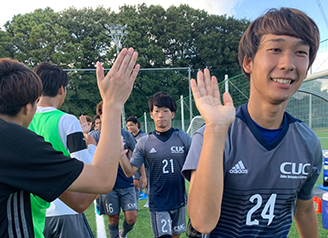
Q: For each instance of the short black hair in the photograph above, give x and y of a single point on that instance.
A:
(52, 77)
(162, 99)
(134, 120)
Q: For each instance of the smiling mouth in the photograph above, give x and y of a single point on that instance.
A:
(283, 81)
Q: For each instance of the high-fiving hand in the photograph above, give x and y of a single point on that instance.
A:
(116, 86)
(207, 97)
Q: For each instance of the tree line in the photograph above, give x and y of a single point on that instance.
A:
(78, 38)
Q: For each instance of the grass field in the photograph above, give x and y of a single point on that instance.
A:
(142, 228)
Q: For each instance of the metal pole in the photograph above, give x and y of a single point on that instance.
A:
(182, 113)
(190, 95)
(226, 83)
(145, 120)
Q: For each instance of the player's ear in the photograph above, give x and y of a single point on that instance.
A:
(247, 64)
(173, 115)
(27, 109)
(151, 115)
(61, 90)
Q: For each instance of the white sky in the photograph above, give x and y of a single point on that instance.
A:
(249, 9)
(12, 8)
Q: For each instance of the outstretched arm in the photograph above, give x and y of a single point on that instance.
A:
(115, 88)
(206, 184)
(127, 167)
(79, 202)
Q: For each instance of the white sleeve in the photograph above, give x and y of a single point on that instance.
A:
(70, 127)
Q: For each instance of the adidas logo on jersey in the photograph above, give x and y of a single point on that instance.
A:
(239, 168)
(152, 151)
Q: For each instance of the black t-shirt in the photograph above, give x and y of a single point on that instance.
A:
(28, 164)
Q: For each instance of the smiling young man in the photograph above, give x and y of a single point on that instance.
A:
(252, 170)
(163, 152)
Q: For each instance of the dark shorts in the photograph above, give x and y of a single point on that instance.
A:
(67, 226)
(168, 223)
(111, 203)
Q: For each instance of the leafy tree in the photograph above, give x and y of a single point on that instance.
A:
(6, 49)
(76, 39)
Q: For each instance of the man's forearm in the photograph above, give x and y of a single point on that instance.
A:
(206, 185)
(127, 167)
(306, 219)
(79, 202)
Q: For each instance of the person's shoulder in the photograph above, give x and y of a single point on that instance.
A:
(125, 132)
(17, 134)
(94, 132)
(11, 127)
(142, 140)
(302, 128)
(69, 117)
(182, 132)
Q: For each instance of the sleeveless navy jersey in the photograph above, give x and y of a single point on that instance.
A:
(262, 180)
(163, 163)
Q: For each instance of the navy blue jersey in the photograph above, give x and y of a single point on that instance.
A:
(139, 135)
(262, 180)
(163, 163)
(129, 143)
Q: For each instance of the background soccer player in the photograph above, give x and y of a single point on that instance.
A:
(123, 194)
(65, 134)
(163, 152)
(133, 126)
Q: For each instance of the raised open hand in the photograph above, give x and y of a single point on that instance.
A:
(207, 97)
(86, 127)
(116, 86)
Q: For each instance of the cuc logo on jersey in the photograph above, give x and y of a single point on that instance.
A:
(294, 170)
(177, 149)
(181, 227)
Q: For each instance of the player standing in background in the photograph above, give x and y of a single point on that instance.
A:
(65, 134)
(123, 194)
(163, 152)
(133, 126)
(253, 169)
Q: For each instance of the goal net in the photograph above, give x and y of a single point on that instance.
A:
(195, 124)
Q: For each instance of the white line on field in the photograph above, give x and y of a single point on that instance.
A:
(101, 231)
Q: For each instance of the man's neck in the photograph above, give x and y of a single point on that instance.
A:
(46, 101)
(135, 132)
(267, 115)
(163, 134)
